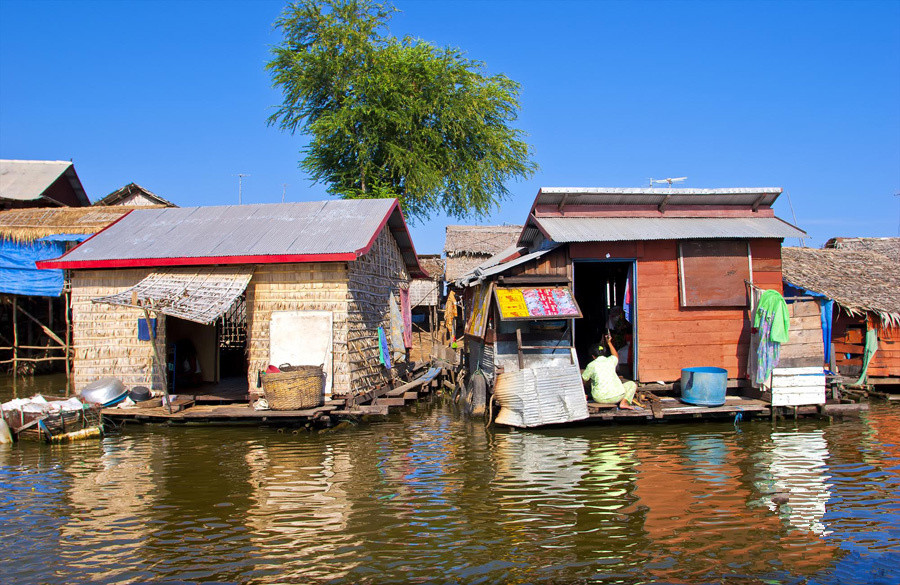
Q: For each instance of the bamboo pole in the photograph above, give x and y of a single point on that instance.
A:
(15, 358)
(69, 357)
(152, 331)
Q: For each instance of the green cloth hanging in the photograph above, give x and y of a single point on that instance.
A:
(772, 303)
(868, 352)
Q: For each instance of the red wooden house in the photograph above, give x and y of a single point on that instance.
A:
(665, 270)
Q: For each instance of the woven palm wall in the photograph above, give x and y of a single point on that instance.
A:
(320, 286)
(373, 278)
(105, 337)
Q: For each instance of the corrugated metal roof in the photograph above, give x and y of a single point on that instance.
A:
(493, 265)
(26, 180)
(201, 235)
(763, 196)
(613, 229)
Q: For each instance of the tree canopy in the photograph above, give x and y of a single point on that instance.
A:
(392, 117)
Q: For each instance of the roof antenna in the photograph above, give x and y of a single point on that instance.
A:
(669, 181)
(240, 177)
(794, 215)
(283, 190)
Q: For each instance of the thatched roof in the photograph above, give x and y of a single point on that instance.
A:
(27, 225)
(858, 281)
(467, 246)
(889, 247)
(433, 264)
(479, 240)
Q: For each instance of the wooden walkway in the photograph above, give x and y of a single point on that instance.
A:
(191, 411)
(672, 409)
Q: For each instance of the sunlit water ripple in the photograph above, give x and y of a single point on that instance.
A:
(428, 497)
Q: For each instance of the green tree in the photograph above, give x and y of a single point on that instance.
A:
(392, 117)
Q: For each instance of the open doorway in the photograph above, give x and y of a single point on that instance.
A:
(208, 359)
(600, 290)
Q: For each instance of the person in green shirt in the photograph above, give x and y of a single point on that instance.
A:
(606, 387)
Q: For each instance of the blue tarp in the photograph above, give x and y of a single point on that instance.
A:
(19, 275)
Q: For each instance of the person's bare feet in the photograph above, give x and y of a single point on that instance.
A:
(623, 404)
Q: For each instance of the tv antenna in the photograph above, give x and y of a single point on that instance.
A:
(283, 191)
(670, 181)
(240, 177)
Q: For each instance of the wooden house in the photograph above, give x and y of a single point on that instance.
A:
(857, 280)
(133, 195)
(34, 319)
(40, 183)
(666, 271)
(226, 291)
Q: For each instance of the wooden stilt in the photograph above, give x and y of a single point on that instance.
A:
(152, 330)
(15, 347)
(67, 300)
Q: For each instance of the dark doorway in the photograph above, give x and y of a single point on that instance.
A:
(600, 289)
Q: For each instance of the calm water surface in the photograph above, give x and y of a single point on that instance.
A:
(428, 497)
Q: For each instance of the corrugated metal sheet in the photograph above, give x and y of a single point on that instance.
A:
(26, 180)
(540, 396)
(201, 295)
(492, 266)
(765, 196)
(319, 227)
(613, 229)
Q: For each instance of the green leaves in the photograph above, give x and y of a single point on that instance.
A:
(395, 118)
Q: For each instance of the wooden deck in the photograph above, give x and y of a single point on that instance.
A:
(672, 409)
(204, 409)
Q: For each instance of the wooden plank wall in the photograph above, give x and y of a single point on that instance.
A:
(555, 263)
(805, 347)
(849, 335)
(671, 337)
(105, 337)
(318, 286)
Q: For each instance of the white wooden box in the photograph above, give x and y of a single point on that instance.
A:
(798, 386)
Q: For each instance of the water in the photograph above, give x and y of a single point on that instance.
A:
(428, 497)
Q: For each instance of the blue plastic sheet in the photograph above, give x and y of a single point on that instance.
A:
(19, 275)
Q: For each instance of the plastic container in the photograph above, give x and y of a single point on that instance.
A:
(704, 386)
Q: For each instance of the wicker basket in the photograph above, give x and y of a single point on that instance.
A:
(297, 389)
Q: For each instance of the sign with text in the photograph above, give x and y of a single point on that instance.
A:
(536, 303)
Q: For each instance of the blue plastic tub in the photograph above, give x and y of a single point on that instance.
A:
(704, 386)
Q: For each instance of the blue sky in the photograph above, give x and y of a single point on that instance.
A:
(173, 96)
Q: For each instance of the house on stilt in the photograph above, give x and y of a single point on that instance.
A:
(668, 272)
(226, 291)
(856, 281)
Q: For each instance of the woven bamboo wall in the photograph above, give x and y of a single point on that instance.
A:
(372, 279)
(318, 286)
(106, 336)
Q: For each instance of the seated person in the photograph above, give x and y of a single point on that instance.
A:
(606, 387)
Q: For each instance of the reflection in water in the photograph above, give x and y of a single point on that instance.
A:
(428, 496)
(799, 484)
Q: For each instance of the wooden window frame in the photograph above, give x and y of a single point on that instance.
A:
(686, 286)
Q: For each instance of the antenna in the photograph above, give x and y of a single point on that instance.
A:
(240, 177)
(897, 194)
(669, 181)
(794, 215)
(283, 190)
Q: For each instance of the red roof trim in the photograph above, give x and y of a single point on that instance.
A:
(198, 261)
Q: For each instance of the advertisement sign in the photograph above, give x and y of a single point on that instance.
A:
(537, 303)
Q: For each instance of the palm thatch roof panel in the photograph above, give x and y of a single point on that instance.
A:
(433, 264)
(27, 225)
(889, 247)
(482, 240)
(134, 195)
(461, 266)
(858, 281)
